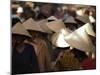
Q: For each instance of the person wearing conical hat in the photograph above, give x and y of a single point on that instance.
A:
(42, 51)
(39, 43)
(59, 44)
(20, 31)
(48, 33)
(57, 39)
(24, 59)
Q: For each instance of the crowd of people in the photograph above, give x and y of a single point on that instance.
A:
(50, 37)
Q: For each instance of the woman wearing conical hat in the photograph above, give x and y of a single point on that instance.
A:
(39, 43)
(24, 59)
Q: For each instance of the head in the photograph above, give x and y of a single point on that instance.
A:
(34, 34)
(80, 55)
(37, 34)
(18, 40)
(68, 61)
(28, 13)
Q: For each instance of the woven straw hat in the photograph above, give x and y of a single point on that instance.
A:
(89, 29)
(43, 26)
(84, 19)
(79, 39)
(19, 29)
(30, 24)
(56, 25)
(70, 19)
(58, 40)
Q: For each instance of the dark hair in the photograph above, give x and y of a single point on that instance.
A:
(28, 13)
(14, 10)
(79, 22)
(19, 36)
(80, 55)
(14, 21)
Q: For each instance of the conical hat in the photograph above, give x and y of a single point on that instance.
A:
(19, 29)
(30, 24)
(54, 38)
(43, 26)
(92, 19)
(70, 20)
(79, 39)
(89, 29)
(58, 40)
(52, 18)
(84, 19)
(56, 26)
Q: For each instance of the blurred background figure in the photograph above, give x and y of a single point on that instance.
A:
(24, 59)
(17, 11)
